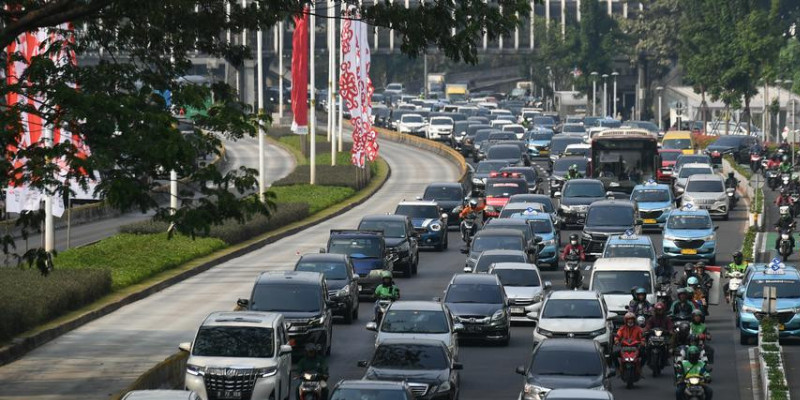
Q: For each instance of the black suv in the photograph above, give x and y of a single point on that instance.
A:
(565, 364)
(606, 218)
(341, 279)
(368, 253)
(450, 197)
(302, 298)
(479, 303)
(576, 197)
(738, 146)
(400, 238)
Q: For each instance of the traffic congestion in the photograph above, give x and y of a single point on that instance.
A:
(582, 258)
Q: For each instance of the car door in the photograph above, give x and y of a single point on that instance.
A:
(413, 239)
(328, 312)
(285, 361)
(354, 286)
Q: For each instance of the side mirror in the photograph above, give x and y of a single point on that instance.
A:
(372, 326)
(537, 239)
(557, 195)
(611, 316)
(611, 373)
(458, 366)
(419, 197)
(520, 370)
(548, 285)
(740, 292)
(585, 286)
(716, 227)
(467, 270)
(533, 315)
(464, 250)
(444, 215)
(362, 364)
(639, 222)
(285, 349)
(185, 346)
(330, 303)
(356, 277)
(242, 304)
(322, 250)
(457, 327)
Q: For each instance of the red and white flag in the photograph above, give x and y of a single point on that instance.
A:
(356, 87)
(300, 74)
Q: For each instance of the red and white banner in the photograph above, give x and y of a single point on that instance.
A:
(27, 46)
(356, 87)
(300, 74)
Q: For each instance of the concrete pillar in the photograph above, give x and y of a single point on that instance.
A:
(547, 14)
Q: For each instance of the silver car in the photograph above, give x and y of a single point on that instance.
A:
(418, 320)
(707, 192)
(688, 170)
(581, 314)
(161, 394)
(523, 285)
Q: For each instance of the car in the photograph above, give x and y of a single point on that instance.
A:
(576, 197)
(681, 140)
(482, 172)
(510, 210)
(654, 202)
(564, 363)
(450, 197)
(544, 122)
(499, 188)
(509, 153)
(440, 128)
(688, 170)
(615, 278)
(479, 302)
(494, 239)
(605, 218)
(578, 150)
(429, 220)
(538, 142)
(230, 347)
(560, 168)
(479, 141)
(750, 296)
(371, 390)
(418, 320)
(400, 237)
(573, 129)
(302, 298)
(668, 158)
(394, 88)
(460, 131)
(432, 372)
(516, 129)
(572, 314)
(367, 251)
(559, 143)
(412, 124)
(341, 280)
(547, 239)
(542, 199)
(639, 246)
(523, 286)
(528, 173)
(737, 146)
(161, 394)
(468, 141)
(498, 123)
(707, 192)
(490, 257)
(646, 125)
(578, 394)
(381, 116)
(514, 224)
(684, 159)
(690, 236)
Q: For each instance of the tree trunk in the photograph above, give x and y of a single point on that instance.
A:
(747, 113)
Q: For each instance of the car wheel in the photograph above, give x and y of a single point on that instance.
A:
(726, 216)
(744, 340)
(408, 271)
(355, 311)
(507, 339)
(348, 317)
(416, 264)
(713, 261)
(446, 241)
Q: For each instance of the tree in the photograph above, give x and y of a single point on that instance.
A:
(118, 111)
(654, 32)
(555, 52)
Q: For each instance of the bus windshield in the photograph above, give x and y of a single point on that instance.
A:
(624, 159)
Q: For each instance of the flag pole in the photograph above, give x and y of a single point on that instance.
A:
(260, 83)
(49, 222)
(312, 122)
(280, 71)
(338, 76)
(331, 84)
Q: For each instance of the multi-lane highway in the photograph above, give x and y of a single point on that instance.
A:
(104, 356)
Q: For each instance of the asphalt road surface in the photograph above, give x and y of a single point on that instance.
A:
(104, 356)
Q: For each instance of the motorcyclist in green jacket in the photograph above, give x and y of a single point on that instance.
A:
(786, 165)
(692, 366)
(737, 265)
(387, 290)
(572, 173)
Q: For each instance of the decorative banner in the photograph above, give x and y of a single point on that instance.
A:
(356, 87)
(300, 74)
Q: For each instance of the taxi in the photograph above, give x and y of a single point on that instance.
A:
(690, 235)
(750, 296)
(655, 202)
(630, 245)
(543, 227)
(679, 140)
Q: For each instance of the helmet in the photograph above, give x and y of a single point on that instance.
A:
(694, 340)
(700, 264)
(630, 316)
(692, 281)
(693, 353)
(386, 275)
(573, 168)
(697, 313)
(659, 308)
(682, 291)
(730, 174)
(784, 211)
(573, 239)
(473, 203)
(738, 257)
(641, 290)
(785, 158)
(688, 267)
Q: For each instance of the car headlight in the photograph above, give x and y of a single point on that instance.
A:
(566, 208)
(750, 309)
(195, 370)
(436, 227)
(708, 238)
(317, 321)
(670, 238)
(499, 315)
(550, 242)
(490, 209)
(544, 332)
(343, 291)
(536, 391)
(477, 181)
(266, 372)
(597, 332)
(443, 387)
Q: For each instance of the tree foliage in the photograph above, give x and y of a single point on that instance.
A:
(654, 33)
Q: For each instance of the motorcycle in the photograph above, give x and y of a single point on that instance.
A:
(658, 349)
(785, 247)
(468, 228)
(772, 178)
(732, 197)
(629, 360)
(383, 305)
(734, 283)
(310, 386)
(785, 179)
(664, 292)
(572, 269)
(694, 388)
(755, 161)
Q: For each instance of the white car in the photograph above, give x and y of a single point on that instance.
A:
(614, 279)
(517, 129)
(161, 394)
(707, 192)
(499, 123)
(573, 314)
(231, 346)
(413, 124)
(418, 320)
(440, 128)
(523, 285)
(396, 88)
(688, 170)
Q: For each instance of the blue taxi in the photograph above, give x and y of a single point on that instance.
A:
(630, 245)
(655, 202)
(690, 235)
(543, 227)
(750, 296)
(538, 142)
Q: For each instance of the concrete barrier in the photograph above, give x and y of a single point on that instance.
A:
(428, 145)
(168, 374)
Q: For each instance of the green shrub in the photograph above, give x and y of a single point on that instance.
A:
(134, 258)
(747, 243)
(769, 347)
(318, 197)
(339, 175)
(778, 395)
(757, 206)
(28, 299)
(771, 359)
(745, 171)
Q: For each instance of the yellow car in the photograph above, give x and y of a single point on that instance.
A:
(679, 140)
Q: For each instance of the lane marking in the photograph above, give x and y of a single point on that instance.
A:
(754, 374)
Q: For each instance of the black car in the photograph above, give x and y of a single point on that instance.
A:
(559, 144)
(482, 172)
(479, 302)
(302, 298)
(341, 279)
(737, 146)
(530, 175)
(517, 224)
(576, 197)
(468, 141)
(565, 364)
(371, 390)
(400, 238)
(480, 143)
(382, 116)
(560, 168)
(460, 131)
(449, 196)
(607, 218)
(368, 253)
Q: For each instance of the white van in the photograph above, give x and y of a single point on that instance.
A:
(614, 278)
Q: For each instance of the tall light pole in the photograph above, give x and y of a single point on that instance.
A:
(778, 83)
(615, 74)
(594, 93)
(605, 95)
(260, 100)
(553, 82)
(660, 91)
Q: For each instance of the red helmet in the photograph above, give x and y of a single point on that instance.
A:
(660, 307)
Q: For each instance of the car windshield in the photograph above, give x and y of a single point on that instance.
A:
(686, 159)
(486, 242)
(566, 362)
(391, 229)
(482, 135)
(409, 356)
(786, 288)
(651, 195)
(331, 270)
(546, 137)
(610, 216)
(689, 222)
(356, 247)
(518, 277)
(234, 341)
(486, 167)
(576, 151)
(415, 321)
(418, 211)
(474, 293)
(443, 193)
(572, 309)
(369, 394)
(516, 211)
(585, 189)
(543, 121)
(503, 152)
(705, 186)
(573, 128)
(727, 141)
(677, 144)
(629, 250)
(670, 155)
(504, 189)
(590, 121)
(544, 201)
(541, 225)
(558, 145)
(286, 298)
(687, 171)
(620, 282)
(441, 121)
(412, 119)
(486, 261)
(562, 165)
(514, 128)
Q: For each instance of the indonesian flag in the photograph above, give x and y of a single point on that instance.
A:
(300, 74)
(356, 87)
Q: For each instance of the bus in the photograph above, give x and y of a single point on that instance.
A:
(623, 158)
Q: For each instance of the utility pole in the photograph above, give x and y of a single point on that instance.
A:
(312, 121)
(615, 74)
(594, 93)
(260, 92)
(605, 95)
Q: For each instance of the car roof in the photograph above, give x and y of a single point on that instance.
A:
(635, 239)
(681, 212)
(574, 295)
(765, 274)
(652, 186)
(384, 217)
(412, 114)
(500, 252)
(705, 177)
(239, 318)
(581, 394)
(530, 196)
(365, 384)
(524, 205)
(579, 146)
(514, 265)
(417, 305)
(499, 232)
(677, 135)
(506, 222)
(623, 264)
(568, 344)
(420, 203)
(585, 181)
(160, 394)
(412, 342)
(303, 277)
(323, 257)
(475, 278)
(613, 202)
(444, 184)
(696, 165)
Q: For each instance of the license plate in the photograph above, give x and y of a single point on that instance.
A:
(359, 288)
(517, 310)
(227, 394)
(781, 327)
(544, 152)
(689, 251)
(650, 221)
(472, 328)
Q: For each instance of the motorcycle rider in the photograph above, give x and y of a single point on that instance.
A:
(660, 320)
(692, 365)
(737, 265)
(315, 363)
(698, 296)
(784, 222)
(473, 209)
(572, 173)
(698, 328)
(731, 180)
(786, 165)
(705, 279)
(387, 290)
(572, 249)
(784, 198)
(631, 335)
(639, 305)
(681, 307)
(688, 272)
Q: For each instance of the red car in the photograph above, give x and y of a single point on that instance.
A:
(499, 188)
(668, 158)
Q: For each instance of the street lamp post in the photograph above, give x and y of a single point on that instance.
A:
(660, 91)
(778, 83)
(615, 74)
(605, 95)
(594, 93)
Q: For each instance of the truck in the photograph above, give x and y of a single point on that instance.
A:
(522, 90)
(456, 92)
(436, 82)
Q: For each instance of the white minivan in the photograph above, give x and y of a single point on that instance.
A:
(615, 278)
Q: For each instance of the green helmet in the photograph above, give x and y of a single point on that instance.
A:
(693, 350)
(573, 168)
(386, 274)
